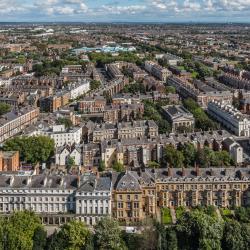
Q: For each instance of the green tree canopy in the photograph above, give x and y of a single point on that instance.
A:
(95, 84)
(202, 121)
(197, 230)
(65, 121)
(168, 238)
(118, 167)
(173, 157)
(101, 166)
(21, 231)
(153, 164)
(70, 162)
(189, 152)
(71, 236)
(134, 88)
(32, 149)
(108, 235)
(232, 237)
(4, 108)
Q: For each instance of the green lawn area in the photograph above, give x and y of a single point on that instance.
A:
(225, 212)
(179, 212)
(181, 67)
(166, 216)
(194, 74)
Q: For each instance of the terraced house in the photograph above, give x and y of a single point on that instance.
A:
(142, 194)
(55, 198)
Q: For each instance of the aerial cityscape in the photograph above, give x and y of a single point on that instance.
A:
(124, 125)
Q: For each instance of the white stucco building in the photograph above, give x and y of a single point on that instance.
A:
(57, 198)
(65, 152)
(79, 88)
(63, 136)
(230, 118)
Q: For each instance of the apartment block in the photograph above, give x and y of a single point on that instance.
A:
(92, 105)
(16, 121)
(230, 118)
(57, 199)
(123, 112)
(200, 91)
(54, 103)
(137, 195)
(63, 136)
(9, 161)
(156, 70)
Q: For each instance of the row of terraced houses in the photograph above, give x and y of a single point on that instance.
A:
(128, 197)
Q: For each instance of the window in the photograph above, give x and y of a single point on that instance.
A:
(136, 204)
(128, 205)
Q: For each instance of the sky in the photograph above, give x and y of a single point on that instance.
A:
(125, 10)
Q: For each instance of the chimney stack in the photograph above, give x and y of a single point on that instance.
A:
(197, 169)
(78, 181)
(170, 171)
(183, 172)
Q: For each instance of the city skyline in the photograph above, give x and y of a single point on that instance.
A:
(125, 11)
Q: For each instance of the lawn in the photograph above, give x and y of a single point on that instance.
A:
(194, 74)
(226, 213)
(179, 212)
(181, 67)
(166, 216)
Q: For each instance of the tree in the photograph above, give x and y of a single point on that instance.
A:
(153, 164)
(65, 121)
(189, 152)
(134, 88)
(70, 162)
(32, 149)
(118, 167)
(94, 84)
(246, 235)
(72, 236)
(242, 214)
(3, 237)
(21, 230)
(205, 156)
(202, 121)
(108, 235)
(170, 90)
(167, 238)
(149, 235)
(232, 237)
(101, 166)
(223, 158)
(132, 240)
(4, 108)
(39, 239)
(197, 230)
(173, 157)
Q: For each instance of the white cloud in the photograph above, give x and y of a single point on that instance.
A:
(131, 9)
(11, 6)
(152, 9)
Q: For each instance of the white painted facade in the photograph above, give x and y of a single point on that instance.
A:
(230, 118)
(62, 136)
(78, 89)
